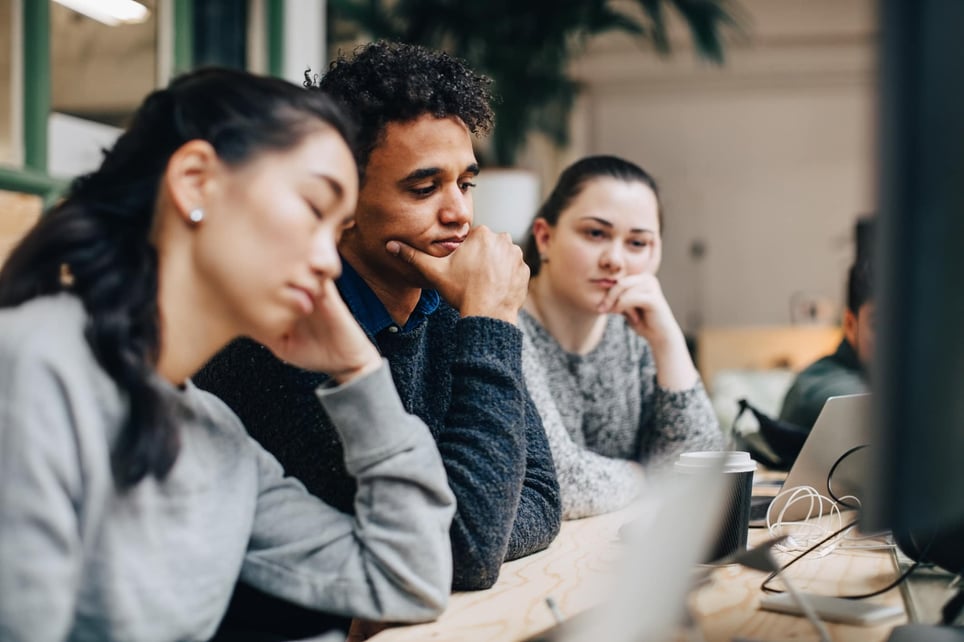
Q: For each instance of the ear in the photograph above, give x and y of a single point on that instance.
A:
(542, 233)
(189, 174)
(850, 327)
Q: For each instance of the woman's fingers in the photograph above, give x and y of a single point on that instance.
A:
(328, 340)
(638, 290)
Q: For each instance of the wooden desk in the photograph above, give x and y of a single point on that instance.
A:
(574, 571)
(728, 608)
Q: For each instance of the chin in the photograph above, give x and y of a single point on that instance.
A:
(586, 305)
(270, 330)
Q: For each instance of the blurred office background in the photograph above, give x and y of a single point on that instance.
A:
(765, 162)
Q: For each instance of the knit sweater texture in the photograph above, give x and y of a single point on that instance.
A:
(463, 377)
(81, 559)
(604, 408)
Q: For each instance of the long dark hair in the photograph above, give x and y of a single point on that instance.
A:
(96, 242)
(571, 183)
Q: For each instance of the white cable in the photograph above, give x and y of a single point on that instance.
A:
(802, 534)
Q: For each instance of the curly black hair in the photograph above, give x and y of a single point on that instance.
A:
(385, 82)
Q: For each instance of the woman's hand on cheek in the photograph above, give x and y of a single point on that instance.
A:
(640, 299)
(328, 340)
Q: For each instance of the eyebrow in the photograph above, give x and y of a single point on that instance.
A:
(429, 172)
(605, 223)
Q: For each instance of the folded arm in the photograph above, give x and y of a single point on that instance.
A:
(495, 455)
(391, 560)
(674, 421)
(589, 483)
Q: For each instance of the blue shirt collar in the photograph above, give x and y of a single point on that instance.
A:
(368, 309)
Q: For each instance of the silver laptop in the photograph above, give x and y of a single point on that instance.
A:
(842, 425)
(678, 516)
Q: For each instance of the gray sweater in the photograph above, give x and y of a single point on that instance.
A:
(80, 560)
(605, 407)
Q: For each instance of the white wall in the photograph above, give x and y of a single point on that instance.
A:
(304, 39)
(75, 145)
(766, 162)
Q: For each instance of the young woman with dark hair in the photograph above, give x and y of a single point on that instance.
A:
(130, 501)
(604, 359)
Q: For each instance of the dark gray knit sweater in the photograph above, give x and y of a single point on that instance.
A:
(462, 377)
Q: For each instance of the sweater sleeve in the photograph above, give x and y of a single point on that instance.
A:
(496, 456)
(589, 483)
(391, 561)
(41, 497)
(674, 421)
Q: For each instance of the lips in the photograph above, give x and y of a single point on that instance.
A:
(604, 283)
(450, 244)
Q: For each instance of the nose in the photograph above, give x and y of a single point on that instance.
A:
(456, 206)
(324, 260)
(612, 258)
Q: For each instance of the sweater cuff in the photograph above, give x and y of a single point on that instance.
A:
(678, 398)
(366, 413)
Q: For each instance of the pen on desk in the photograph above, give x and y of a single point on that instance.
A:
(554, 608)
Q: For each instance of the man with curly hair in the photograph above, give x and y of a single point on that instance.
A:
(440, 301)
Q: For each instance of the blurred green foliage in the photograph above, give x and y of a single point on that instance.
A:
(525, 46)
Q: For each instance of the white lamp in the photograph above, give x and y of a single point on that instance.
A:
(109, 12)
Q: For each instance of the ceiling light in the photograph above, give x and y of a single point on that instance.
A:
(110, 12)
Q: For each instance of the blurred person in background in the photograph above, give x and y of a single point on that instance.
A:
(845, 371)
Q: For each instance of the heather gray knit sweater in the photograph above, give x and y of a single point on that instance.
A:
(463, 377)
(605, 407)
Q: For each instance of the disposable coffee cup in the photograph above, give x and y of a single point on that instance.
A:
(737, 473)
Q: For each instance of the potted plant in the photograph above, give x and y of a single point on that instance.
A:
(525, 46)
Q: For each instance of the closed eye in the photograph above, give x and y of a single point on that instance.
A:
(424, 191)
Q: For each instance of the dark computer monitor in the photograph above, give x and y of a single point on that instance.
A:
(918, 374)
